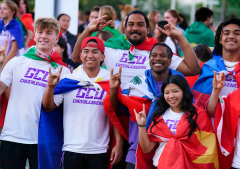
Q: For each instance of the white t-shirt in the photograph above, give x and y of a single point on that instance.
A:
(28, 78)
(230, 85)
(170, 43)
(171, 119)
(117, 57)
(85, 123)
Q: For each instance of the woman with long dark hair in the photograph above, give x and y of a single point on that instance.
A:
(177, 129)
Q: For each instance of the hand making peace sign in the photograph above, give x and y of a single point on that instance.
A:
(53, 79)
(115, 80)
(98, 24)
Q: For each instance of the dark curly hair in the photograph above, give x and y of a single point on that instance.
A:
(202, 14)
(218, 47)
(187, 106)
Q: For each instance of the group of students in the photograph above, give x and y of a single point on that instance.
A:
(56, 118)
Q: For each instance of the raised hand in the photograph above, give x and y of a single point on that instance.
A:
(141, 116)
(98, 24)
(218, 80)
(53, 79)
(171, 30)
(115, 80)
(3, 51)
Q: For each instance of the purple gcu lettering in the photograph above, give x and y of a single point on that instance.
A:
(173, 124)
(89, 93)
(38, 71)
(79, 91)
(169, 125)
(36, 74)
(124, 58)
(31, 74)
(139, 59)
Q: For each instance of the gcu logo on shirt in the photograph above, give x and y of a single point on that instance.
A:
(139, 64)
(89, 93)
(140, 59)
(35, 74)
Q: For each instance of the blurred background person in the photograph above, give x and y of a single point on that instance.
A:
(110, 12)
(204, 53)
(184, 24)
(201, 31)
(121, 27)
(154, 17)
(161, 37)
(174, 17)
(61, 48)
(28, 22)
(27, 34)
(10, 30)
(64, 21)
(104, 35)
(92, 15)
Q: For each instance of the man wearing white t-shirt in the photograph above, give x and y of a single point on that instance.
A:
(137, 28)
(85, 123)
(226, 57)
(132, 51)
(27, 75)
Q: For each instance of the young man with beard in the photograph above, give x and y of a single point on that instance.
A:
(27, 76)
(131, 51)
(226, 57)
(145, 86)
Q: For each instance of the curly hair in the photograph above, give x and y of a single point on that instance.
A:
(218, 47)
(187, 106)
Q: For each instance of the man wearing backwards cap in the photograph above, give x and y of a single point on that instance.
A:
(85, 124)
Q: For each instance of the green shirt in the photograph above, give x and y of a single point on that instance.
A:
(199, 33)
(113, 31)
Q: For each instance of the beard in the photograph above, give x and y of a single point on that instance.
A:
(135, 42)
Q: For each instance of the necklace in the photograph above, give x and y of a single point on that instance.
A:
(231, 66)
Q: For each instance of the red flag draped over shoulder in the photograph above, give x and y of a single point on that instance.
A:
(131, 102)
(197, 152)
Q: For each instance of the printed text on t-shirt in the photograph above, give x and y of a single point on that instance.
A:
(133, 64)
(172, 125)
(36, 77)
(89, 93)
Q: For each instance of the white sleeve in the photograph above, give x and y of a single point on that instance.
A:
(7, 73)
(176, 60)
(58, 99)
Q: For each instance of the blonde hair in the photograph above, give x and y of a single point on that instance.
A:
(110, 12)
(175, 14)
(47, 23)
(12, 5)
(150, 16)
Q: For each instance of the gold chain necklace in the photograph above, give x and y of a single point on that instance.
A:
(231, 66)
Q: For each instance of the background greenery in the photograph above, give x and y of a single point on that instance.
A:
(183, 6)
